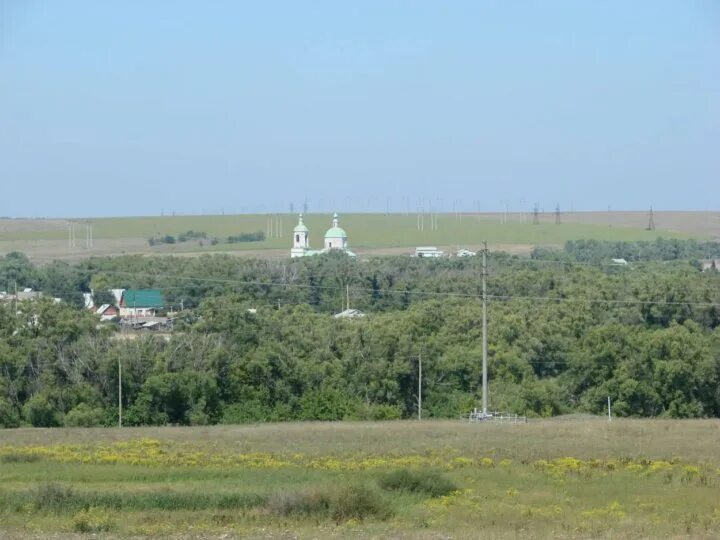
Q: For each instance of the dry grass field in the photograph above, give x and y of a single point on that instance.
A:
(47, 239)
(562, 478)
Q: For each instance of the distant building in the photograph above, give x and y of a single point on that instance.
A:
(711, 265)
(141, 302)
(349, 314)
(465, 253)
(622, 262)
(428, 251)
(336, 239)
(25, 294)
(107, 312)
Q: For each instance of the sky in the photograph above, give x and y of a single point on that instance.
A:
(129, 107)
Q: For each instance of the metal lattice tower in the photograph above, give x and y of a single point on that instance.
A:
(651, 221)
(558, 219)
(536, 215)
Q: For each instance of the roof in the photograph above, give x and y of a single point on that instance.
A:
(143, 298)
(300, 227)
(349, 314)
(335, 232)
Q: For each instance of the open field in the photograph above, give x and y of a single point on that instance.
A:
(558, 478)
(369, 233)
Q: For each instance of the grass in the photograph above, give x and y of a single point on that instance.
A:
(573, 478)
(366, 232)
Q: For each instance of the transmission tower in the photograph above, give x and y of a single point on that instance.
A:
(651, 221)
(536, 215)
(558, 219)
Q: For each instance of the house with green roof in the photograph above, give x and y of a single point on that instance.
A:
(141, 302)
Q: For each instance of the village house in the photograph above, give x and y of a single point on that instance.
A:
(107, 312)
(141, 302)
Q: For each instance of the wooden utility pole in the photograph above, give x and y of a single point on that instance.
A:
(420, 385)
(484, 331)
(119, 393)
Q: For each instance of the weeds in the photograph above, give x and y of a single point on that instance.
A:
(343, 504)
(93, 520)
(19, 457)
(429, 483)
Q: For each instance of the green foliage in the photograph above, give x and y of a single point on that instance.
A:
(53, 497)
(246, 237)
(93, 520)
(84, 416)
(325, 404)
(9, 417)
(41, 412)
(425, 482)
(175, 398)
(562, 338)
(340, 504)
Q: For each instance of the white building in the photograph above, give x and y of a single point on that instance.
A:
(335, 239)
(428, 251)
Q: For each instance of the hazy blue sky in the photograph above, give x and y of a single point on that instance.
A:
(138, 107)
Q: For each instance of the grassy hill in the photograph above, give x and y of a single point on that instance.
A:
(367, 232)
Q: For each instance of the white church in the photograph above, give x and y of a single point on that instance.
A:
(335, 239)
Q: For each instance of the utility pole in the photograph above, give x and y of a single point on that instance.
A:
(420, 385)
(536, 215)
(609, 411)
(484, 331)
(558, 220)
(347, 290)
(651, 221)
(119, 393)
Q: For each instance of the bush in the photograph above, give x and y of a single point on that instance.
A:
(306, 503)
(53, 497)
(16, 457)
(426, 482)
(378, 411)
(9, 417)
(325, 404)
(93, 520)
(41, 413)
(359, 502)
(248, 411)
(84, 416)
(350, 502)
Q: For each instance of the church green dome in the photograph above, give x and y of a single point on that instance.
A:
(300, 227)
(336, 232)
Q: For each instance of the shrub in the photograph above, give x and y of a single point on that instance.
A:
(248, 411)
(9, 417)
(84, 416)
(430, 483)
(16, 457)
(93, 520)
(378, 411)
(346, 503)
(325, 404)
(41, 413)
(358, 502)
(306, 503)
(53, 497)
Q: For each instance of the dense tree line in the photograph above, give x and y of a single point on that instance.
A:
(601, 251)
(562, 337)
